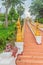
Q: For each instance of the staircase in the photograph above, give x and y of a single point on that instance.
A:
(33, 53)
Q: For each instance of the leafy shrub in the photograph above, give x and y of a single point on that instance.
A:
(2, 44)
(41, 20)
(7, 35)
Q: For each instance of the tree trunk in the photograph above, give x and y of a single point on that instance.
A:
(6, 17)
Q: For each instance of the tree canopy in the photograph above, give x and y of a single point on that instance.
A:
(13, 15)
(8, 4)
(36, 8)
(20, 9)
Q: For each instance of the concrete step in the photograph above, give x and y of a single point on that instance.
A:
(25, 63)
(33, 50)
(41, 54)
(30, 58)
(30, 61)
(30, 47)
(32, 44)
(36, 46)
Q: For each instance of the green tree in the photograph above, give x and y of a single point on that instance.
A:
(8, 4)
(13, 15)
(36, 8)
(20, 9)
(2, 17)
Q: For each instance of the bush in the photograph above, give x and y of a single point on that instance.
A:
(2, 17)
(8, 34)
(41, 20)
(2, 44)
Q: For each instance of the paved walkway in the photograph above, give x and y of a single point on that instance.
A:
(33, 53)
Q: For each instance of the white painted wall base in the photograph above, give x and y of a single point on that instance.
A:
(7, 59)
(38, 39)
(19, 45)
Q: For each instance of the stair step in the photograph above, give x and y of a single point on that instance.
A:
(33, 54)
(33, 50)
(29, 44)
(38, 57)
(36, 54)
(22, 63)
(30, 61)
(32, 47)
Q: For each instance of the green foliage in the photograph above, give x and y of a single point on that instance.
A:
(7, 34)
(20, 9)
(13, 15)
(2, 44)
(8, 4)
(36, 9)
(2, 17)
(12, 2)
(36, 6)
(41, 20)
